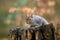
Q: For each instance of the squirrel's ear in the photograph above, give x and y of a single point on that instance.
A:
(31, 15)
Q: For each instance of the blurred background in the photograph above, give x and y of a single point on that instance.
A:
(13, 12)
